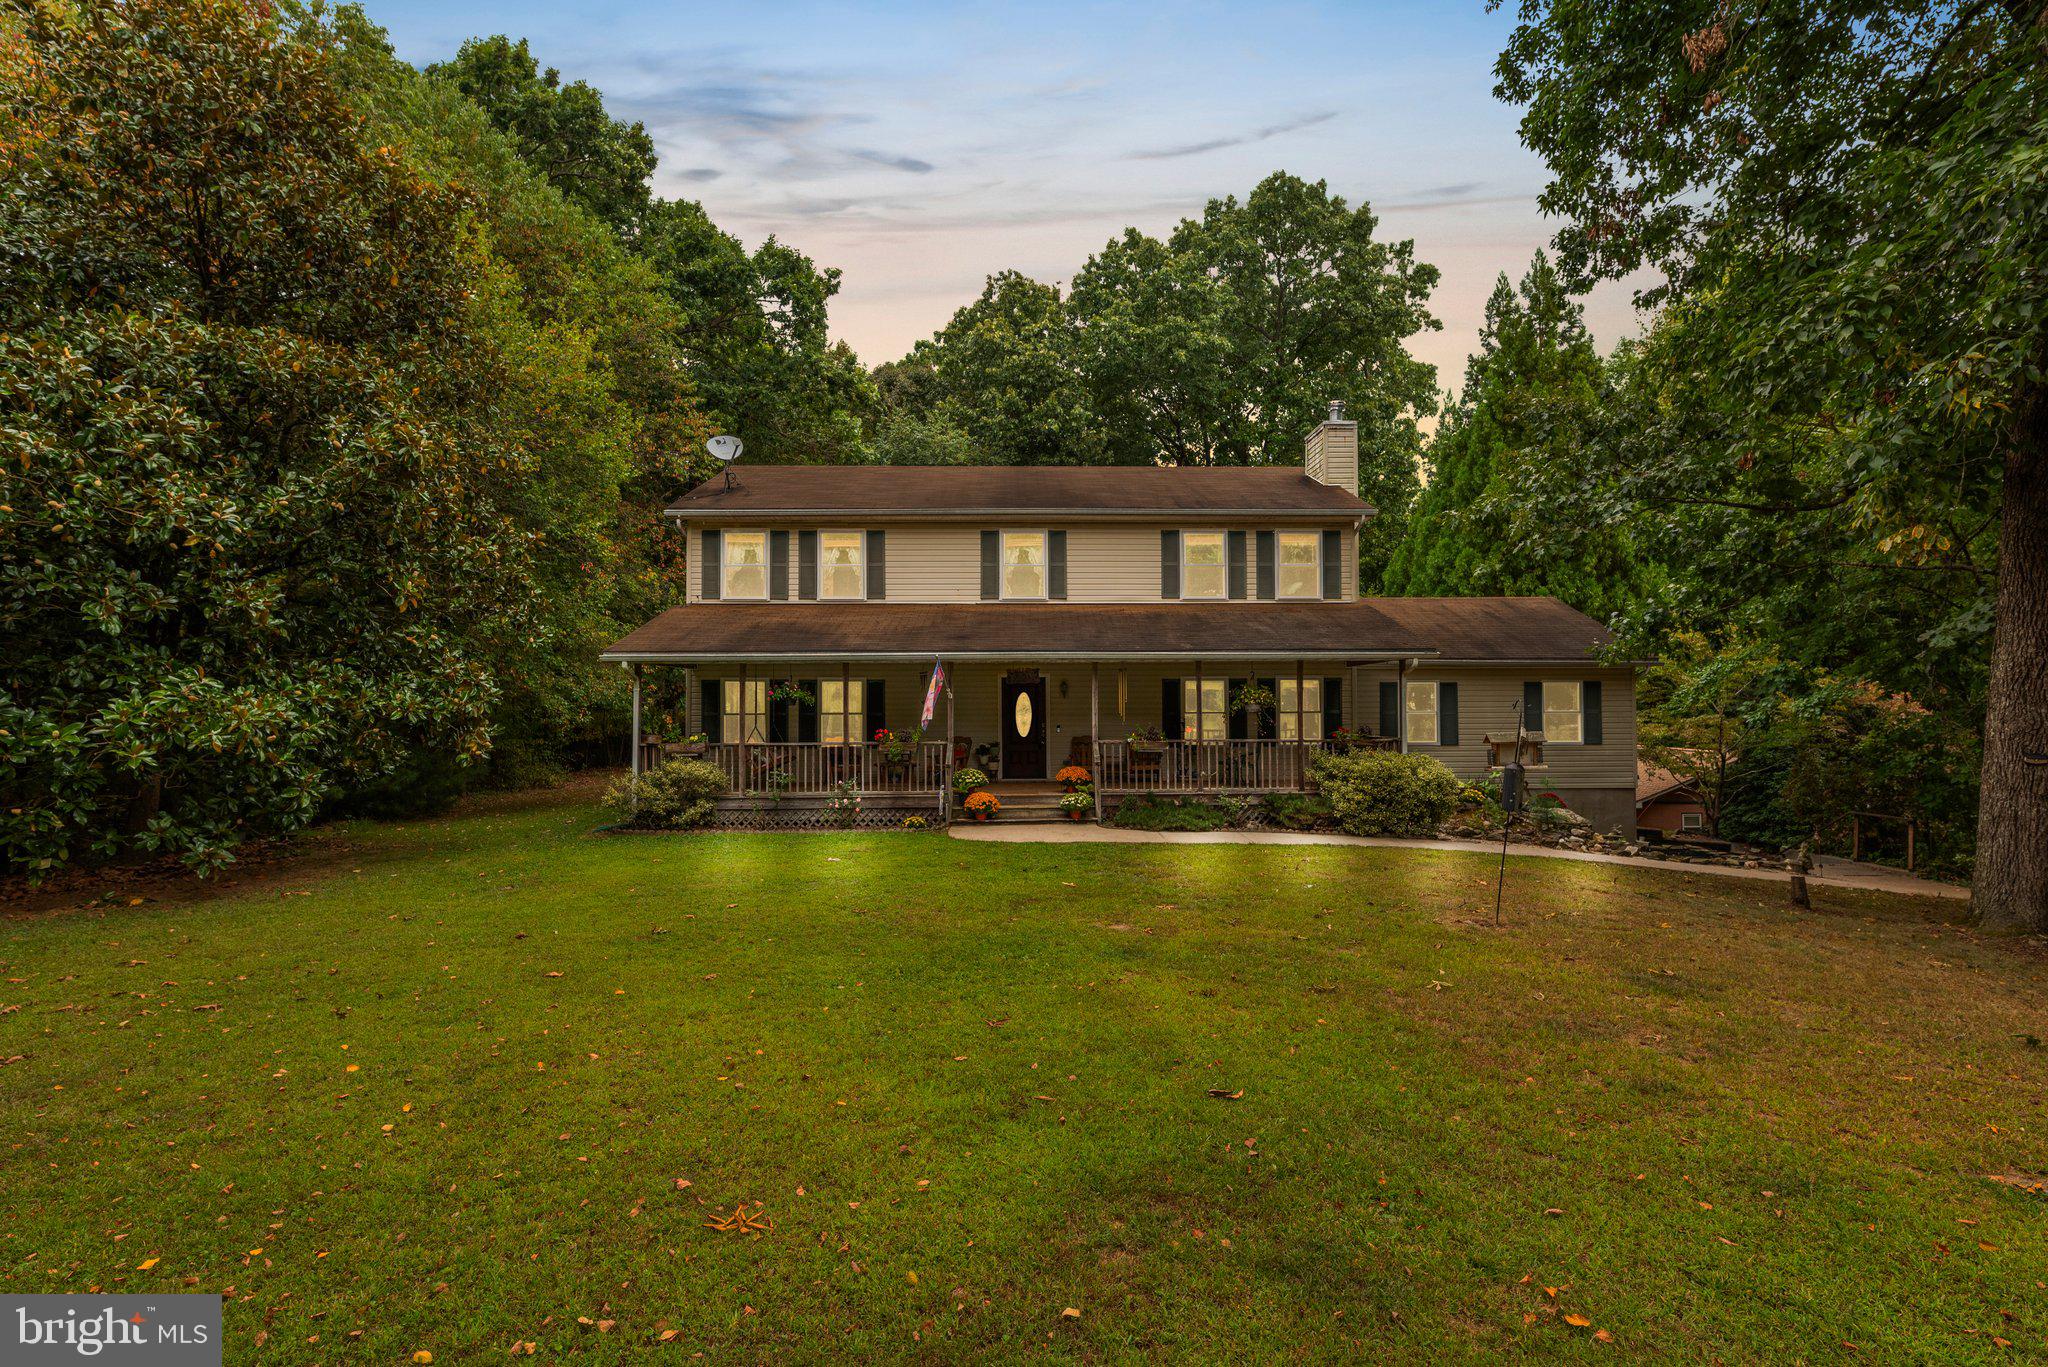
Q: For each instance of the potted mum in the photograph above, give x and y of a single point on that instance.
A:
(982, 805)
(1072, 777)
(968, 781)
(1077, 804)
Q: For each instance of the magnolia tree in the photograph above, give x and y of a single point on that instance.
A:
(1849, 206)
(254, 546)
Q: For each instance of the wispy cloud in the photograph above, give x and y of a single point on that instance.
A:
(1195, 149)
(699, 174)
(890, 160)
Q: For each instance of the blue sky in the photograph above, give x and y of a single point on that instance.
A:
(920, 147)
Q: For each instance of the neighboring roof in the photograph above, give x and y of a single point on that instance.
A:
(1499, 630)
(1654, 781)
(1366, 629)
(922, 491)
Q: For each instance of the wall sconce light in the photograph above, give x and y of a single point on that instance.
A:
(1063, 688)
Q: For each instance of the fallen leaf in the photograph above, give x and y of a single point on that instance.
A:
(1577, 1321)
(1070, 1313)
(146, 1264)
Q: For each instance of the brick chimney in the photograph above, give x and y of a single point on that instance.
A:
(1331, 453)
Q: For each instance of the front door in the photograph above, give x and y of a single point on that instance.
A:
(1024, 724)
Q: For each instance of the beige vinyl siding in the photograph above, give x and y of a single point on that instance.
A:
(1486, 706)
(941, 563)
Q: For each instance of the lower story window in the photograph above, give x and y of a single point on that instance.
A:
(746, 718)
(1420, 709)
(1692, 821)
(1301, 709)
(1201, 710)
(842, 711)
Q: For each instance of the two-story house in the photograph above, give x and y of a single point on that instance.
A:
(1102, 616)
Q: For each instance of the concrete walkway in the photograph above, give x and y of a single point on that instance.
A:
(1828, 870)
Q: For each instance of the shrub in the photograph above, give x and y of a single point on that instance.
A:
(1298, 811)
(916, 823)
(967, 780)
(675, 794)
(1381, 792)
(1170, 814)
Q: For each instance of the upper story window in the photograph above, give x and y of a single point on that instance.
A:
(1023, 564)
(1420, 714)
(1202, 565)
(842, 565)
(746, 565)
(1301, 564)
(1564, 723)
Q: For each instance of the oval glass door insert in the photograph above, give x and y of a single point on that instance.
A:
(1023, 715)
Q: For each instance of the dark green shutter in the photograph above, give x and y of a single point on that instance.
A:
(1333, 565)
(1171, 723)
(1269, 566)
(878, 566)
(878, 711)
(807, 715)
(1169, 564)
(1239, 575)
(1237, 725)
(1589, 703)
(1532, 706)
(1390, 710)
(1333, 705)
(778, 565)
(712, 545)
(778, 715)
(1269, 717)
(1447, 714)
(711, 709)
(807, 565)
(1056, 565)
(991, 567)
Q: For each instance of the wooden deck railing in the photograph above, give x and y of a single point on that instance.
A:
(808, 769)
(1212, 766)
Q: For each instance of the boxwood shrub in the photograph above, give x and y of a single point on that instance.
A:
(1380, 792)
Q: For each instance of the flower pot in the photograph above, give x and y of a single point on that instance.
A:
(1076, 816)
(979, 815)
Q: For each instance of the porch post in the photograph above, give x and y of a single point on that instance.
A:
(946, 785)
(743, 729)
(636, 721)
(1300, 727)
(1401, 704)
(1095, 731)
(846, 731)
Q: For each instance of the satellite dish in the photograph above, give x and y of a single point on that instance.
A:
(724, 450)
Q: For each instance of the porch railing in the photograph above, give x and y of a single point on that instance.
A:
(808, 769)
(1212, 766)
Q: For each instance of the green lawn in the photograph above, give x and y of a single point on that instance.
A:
(461, 1084)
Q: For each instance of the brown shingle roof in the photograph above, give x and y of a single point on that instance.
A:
(1504, 629)
(1533, 629)
(965, 490)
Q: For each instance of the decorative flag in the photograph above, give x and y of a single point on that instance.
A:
(931, 693)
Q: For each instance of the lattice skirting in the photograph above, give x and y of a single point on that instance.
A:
(876, 812)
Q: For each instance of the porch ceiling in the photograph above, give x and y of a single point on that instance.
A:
(1507, 629)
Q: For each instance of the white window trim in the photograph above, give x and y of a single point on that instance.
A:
(1223, 542)
(1436, 712)
(1692, 821)
(1580, 711)
(725, 566)
(1280, 566)
(1003, 594)
(860, 539)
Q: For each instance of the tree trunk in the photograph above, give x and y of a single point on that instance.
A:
(2012, 818)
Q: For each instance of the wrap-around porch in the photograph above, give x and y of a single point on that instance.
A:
(826, 728)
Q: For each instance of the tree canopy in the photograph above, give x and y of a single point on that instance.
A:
(1848, 205)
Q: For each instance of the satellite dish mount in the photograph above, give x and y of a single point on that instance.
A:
(725, 450)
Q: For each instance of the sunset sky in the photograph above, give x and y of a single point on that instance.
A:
(920, 147)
